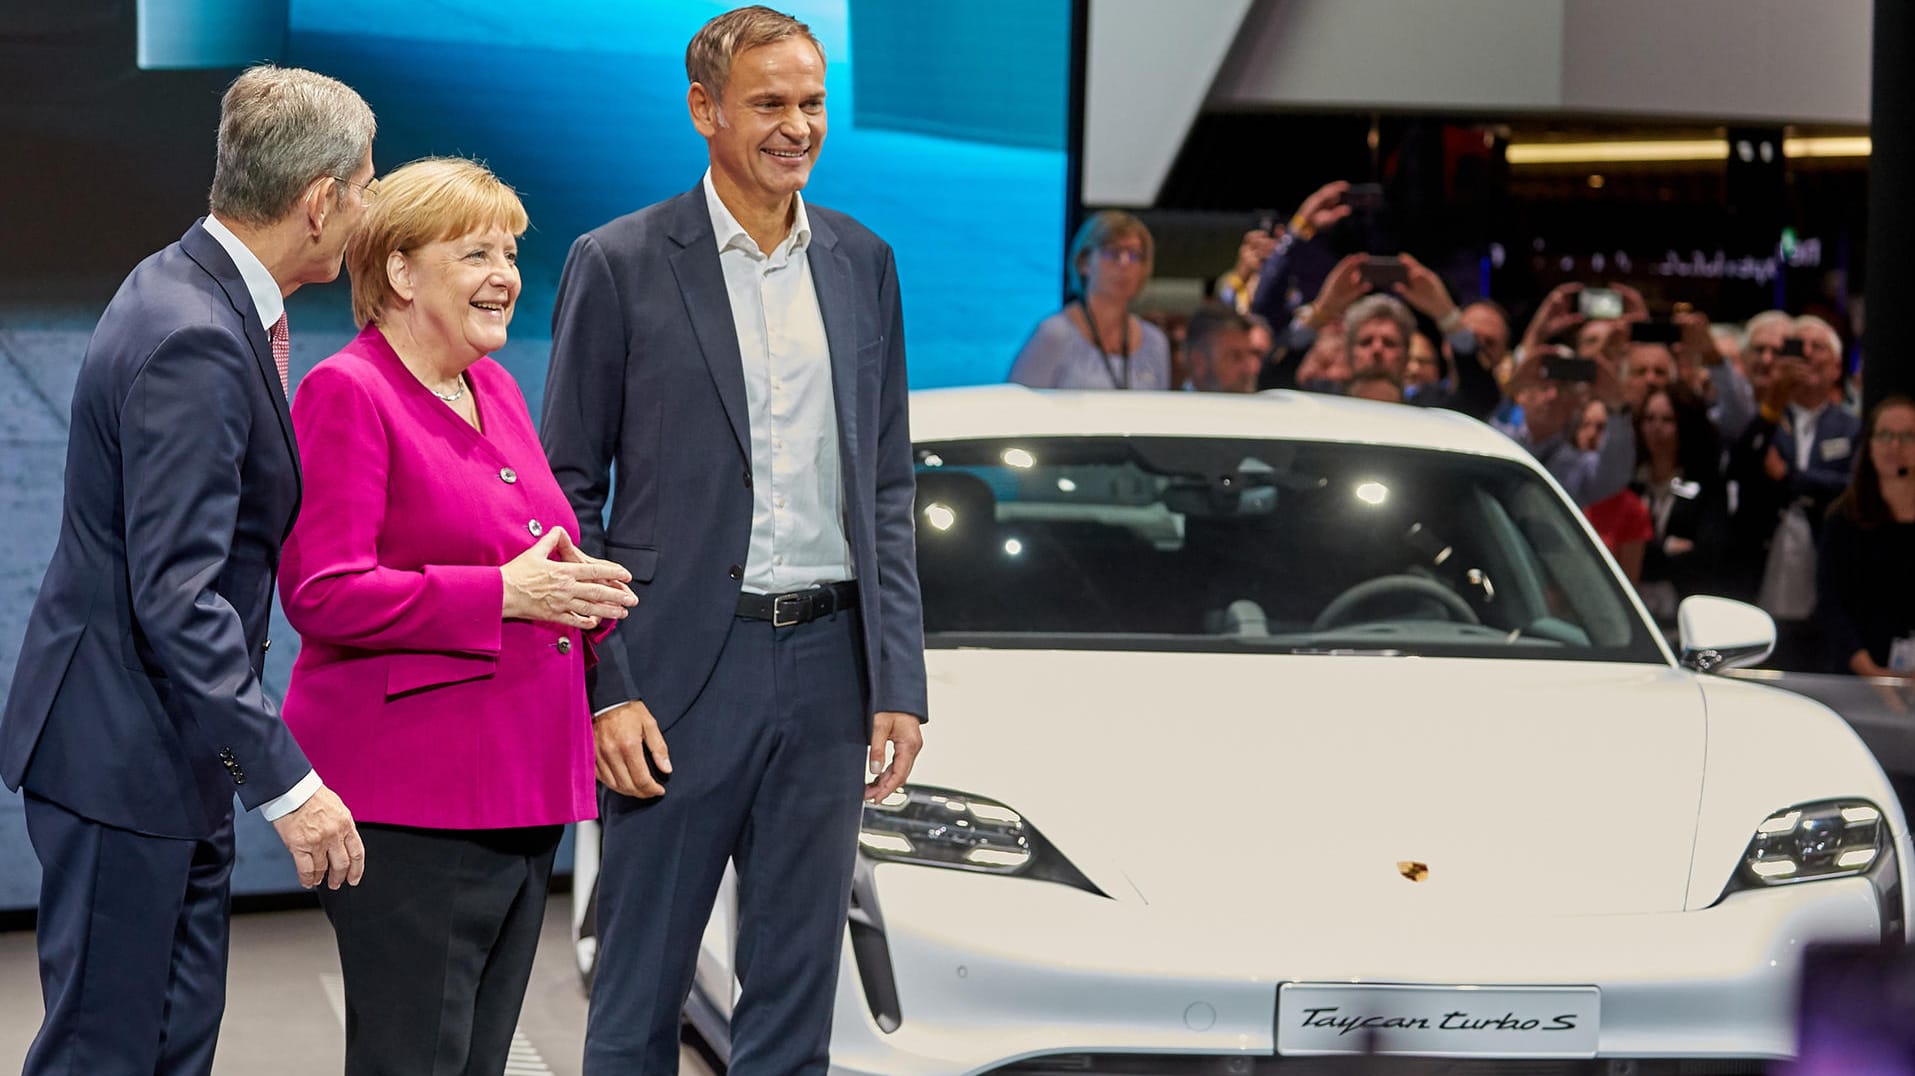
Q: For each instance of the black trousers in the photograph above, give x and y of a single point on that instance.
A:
(436, 946)
(767, 773)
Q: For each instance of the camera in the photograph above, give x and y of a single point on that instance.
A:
(1382, 271)
(1654, 332)
(1599, 303)
(1364, 197)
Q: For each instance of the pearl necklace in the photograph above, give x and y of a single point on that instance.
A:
(450, 397)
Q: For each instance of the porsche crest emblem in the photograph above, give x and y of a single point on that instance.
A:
(1411, 869)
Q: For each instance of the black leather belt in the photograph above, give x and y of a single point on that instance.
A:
(798, 606)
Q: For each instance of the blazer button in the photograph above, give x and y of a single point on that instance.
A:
(747, 479)
(565, 645)
(508, 475)
(535, 527)
(265, 646)
(737, 572)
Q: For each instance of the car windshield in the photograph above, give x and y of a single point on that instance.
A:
(1205, 543)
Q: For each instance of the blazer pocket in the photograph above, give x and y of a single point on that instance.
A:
(871, 350)
(641, 561)
(410, 672)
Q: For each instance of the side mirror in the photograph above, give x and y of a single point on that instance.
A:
(1718, 633)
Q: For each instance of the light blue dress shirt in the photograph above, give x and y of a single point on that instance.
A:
(797, 518)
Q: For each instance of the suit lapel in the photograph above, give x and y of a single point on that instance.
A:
(701, 282)
(205, 250)
(831, 279)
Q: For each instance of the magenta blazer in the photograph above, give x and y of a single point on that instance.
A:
(415, 702)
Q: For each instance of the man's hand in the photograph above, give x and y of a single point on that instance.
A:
(1344, 285)
(1556, 315)
(905, 734)
(1634, 308)
(1253, 252)
(1697, 345)
(620, 738)
(1324, 207)
(1774, 465)
(1424, 290)
(324, 842)
(1608, 386)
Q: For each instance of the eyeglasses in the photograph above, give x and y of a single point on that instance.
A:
(1124, 255)
(368, 190)
(1898, 438)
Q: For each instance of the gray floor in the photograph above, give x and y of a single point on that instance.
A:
(282, 1012)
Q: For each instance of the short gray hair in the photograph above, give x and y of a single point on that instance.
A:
(280, 128)
(1812, 323)
(1763, 320)
(1378, 307)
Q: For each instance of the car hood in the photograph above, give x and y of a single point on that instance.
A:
(1296, 785)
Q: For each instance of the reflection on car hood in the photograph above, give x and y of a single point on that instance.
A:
(1297, 784)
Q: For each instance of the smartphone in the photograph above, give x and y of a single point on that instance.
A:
(1364, 196)
(1563, 366)
(1792, 348)
(1267, 221)
(1599, 303)
(1654, 332)
(1382, 271)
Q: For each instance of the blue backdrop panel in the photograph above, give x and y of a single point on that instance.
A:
(952, 149)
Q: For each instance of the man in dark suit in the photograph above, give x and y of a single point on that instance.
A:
(136, 712)
(738, 356)
(1809, 462)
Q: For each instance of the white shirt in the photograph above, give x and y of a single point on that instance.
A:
(797, 517)
(270, 304)
(259, 282)
(1803, 420)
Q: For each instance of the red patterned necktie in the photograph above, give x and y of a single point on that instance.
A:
(282, 351)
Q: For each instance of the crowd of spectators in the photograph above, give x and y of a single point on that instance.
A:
(1709, 458)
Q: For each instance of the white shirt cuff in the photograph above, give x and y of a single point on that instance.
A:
(603, 710)
(293, 800)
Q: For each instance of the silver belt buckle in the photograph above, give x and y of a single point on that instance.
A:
(795, 602)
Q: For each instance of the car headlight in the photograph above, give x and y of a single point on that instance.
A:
(1817, 840)
(936, 827)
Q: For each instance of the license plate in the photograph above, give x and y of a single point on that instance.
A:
(1438, 1021)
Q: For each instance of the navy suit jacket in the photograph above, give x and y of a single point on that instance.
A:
(1836, 439)
(646, 381)
(137, 701)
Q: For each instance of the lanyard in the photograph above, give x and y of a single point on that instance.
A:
(1104, 353)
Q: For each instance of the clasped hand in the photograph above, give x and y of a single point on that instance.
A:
(555, 581)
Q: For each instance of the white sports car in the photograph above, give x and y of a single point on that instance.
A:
(1270, 729)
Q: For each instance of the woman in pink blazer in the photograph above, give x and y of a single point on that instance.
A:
(446, 623)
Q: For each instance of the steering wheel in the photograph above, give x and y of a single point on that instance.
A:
(1341, 606)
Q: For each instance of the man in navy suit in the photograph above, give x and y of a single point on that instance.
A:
(136, 712)
(1809, 462)
(738, 357)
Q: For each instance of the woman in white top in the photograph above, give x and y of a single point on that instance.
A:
(1095, 342)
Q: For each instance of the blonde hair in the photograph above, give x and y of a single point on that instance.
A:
(717, 43)
(422, 202)
(1100, 230)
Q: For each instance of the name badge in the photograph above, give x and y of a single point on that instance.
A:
(1834, 448)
